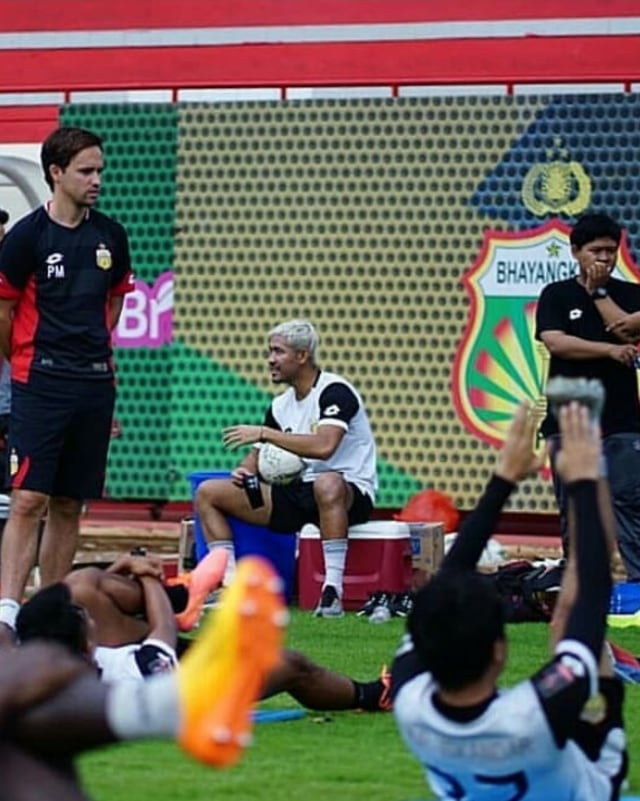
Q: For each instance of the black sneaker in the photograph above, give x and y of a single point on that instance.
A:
(401, 604)
(374, 696)
(375, 599)
(329, 604)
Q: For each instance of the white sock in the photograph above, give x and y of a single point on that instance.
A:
(230, 569)
(335, 556)
(150, 708)
(9, 611)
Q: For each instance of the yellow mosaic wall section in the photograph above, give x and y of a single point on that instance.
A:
(356, 215)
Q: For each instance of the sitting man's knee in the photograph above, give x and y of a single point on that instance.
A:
(207, 493)
(330, 488)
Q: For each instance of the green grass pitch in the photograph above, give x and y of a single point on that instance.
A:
(347, 756)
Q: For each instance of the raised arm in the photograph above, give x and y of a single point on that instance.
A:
(578, 463)
(515, 461)
(159, 614)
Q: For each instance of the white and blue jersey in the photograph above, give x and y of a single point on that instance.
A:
(135, 661)
(517, 746)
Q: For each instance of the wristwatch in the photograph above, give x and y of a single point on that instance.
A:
(600, 292)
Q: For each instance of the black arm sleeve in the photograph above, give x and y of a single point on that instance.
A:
(588, 618)
(270, 421)
(478, 526)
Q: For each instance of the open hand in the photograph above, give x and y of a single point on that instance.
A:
(234, 436)
(626, 327)
(517, 458)
(128, 565)
(623, 353)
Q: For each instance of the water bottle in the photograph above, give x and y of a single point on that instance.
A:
(381, 614)
(253, 490)
(13, 462)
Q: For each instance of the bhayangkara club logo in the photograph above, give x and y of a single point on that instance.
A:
(103, 257)
(499, 363)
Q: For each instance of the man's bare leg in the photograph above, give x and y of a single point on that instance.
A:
(215, 499)
(18, 556)
(60, 539)
(20, 541)
(310, 684)
(334, 498)
(317, 687)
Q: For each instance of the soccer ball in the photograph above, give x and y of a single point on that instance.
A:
(278, 466)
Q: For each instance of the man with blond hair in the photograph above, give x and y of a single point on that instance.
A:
(321, 418)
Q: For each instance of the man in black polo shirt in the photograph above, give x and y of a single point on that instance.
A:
(589, 324)
(64, 270)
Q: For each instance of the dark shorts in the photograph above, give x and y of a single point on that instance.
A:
(61, 437)
(294, 505)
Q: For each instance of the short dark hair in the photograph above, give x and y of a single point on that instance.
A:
(456, 619)
(594, 226)
(62, 145)
(4, 217)
(52, 615)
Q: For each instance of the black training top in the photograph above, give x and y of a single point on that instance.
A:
(565, 306)
(62, 279)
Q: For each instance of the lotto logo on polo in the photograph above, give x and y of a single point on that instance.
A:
(55, 267)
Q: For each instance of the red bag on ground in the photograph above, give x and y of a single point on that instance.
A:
(430, 506)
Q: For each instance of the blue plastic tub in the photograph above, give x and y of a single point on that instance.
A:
(279, 549)
(625, 598)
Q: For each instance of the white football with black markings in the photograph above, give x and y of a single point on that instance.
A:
(278, 466)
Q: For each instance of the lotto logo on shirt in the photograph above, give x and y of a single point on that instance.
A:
(55, 268)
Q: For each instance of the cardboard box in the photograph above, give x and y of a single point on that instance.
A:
(427, 550)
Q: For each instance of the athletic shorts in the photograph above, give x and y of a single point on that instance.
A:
(59, 437)
(294, 505)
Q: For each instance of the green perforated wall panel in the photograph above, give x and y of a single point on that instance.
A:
(139, 185)
(363, 215)
(354, 214)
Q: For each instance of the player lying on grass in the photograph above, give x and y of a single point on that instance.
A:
(122, 620)
(558, 735)
(53, 707)
(125, 617)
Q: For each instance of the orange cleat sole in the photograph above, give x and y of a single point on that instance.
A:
(223, 674)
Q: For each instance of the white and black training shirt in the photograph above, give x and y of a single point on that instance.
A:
(331, 401)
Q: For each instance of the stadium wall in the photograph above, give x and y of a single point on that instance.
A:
(383, 219)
